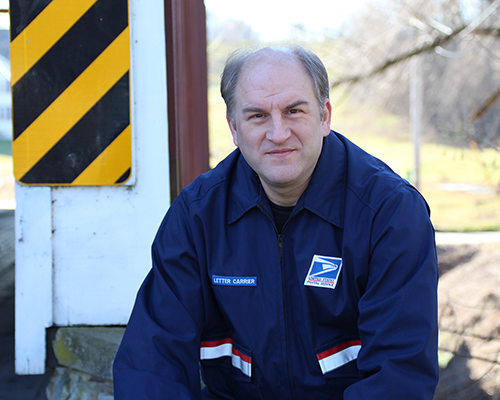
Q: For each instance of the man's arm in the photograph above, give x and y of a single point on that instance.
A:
(398, 311)
(159, 355)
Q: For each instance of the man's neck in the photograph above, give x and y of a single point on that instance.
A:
(284, 196)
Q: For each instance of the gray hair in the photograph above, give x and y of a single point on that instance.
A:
(237, 60)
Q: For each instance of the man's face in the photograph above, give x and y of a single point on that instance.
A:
(278, 124)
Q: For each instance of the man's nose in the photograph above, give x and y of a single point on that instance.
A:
(278, 132)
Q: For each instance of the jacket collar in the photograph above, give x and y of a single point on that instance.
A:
(324, 196)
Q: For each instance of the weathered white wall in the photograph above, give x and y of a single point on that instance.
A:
(82, 252)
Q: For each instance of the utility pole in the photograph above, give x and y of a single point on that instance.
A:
(416, 107)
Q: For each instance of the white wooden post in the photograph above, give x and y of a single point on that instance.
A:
(82, 252)
(33, 297)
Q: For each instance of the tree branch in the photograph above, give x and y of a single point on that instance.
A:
(438, 41)
(487, 105)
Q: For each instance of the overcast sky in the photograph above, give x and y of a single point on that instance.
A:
(272, 18)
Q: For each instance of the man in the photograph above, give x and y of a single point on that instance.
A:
(299, 268)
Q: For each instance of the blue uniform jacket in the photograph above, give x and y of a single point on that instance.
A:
(341, 305)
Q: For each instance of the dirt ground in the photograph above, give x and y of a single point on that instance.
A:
(469, 318)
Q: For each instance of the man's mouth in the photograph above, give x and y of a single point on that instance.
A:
(279, 153)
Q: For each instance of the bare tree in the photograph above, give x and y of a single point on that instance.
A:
(458, 46)
(460, 49)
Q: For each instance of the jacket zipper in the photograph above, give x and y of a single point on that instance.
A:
(280, 247)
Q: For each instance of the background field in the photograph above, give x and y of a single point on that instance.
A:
(458, 183)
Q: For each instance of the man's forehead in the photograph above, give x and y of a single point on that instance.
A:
(273, 75)
(269, 66)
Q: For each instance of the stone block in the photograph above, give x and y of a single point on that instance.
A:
(88, 349)
(70, 384)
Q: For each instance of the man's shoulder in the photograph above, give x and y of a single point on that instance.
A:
(370, 179)
(214, 180)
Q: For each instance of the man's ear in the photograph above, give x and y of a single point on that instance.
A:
(327, 118)
(232, 128)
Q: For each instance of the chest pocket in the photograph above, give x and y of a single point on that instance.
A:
(335, 359)
(241, 360)
(228, 369)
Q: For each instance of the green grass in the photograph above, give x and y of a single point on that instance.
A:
(5, 156)
(220, 139)
(460, 191)
(5, 147)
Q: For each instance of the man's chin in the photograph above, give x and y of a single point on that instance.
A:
(280, 181)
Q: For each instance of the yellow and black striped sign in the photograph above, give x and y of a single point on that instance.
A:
(70, 63)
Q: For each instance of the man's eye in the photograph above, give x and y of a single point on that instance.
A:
(257, 115)
(293, 111)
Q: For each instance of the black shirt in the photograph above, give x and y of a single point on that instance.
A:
(280, 214)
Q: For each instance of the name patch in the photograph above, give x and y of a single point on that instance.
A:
(324, 272)
(234, 280)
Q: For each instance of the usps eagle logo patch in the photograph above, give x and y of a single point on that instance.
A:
(324, 272)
